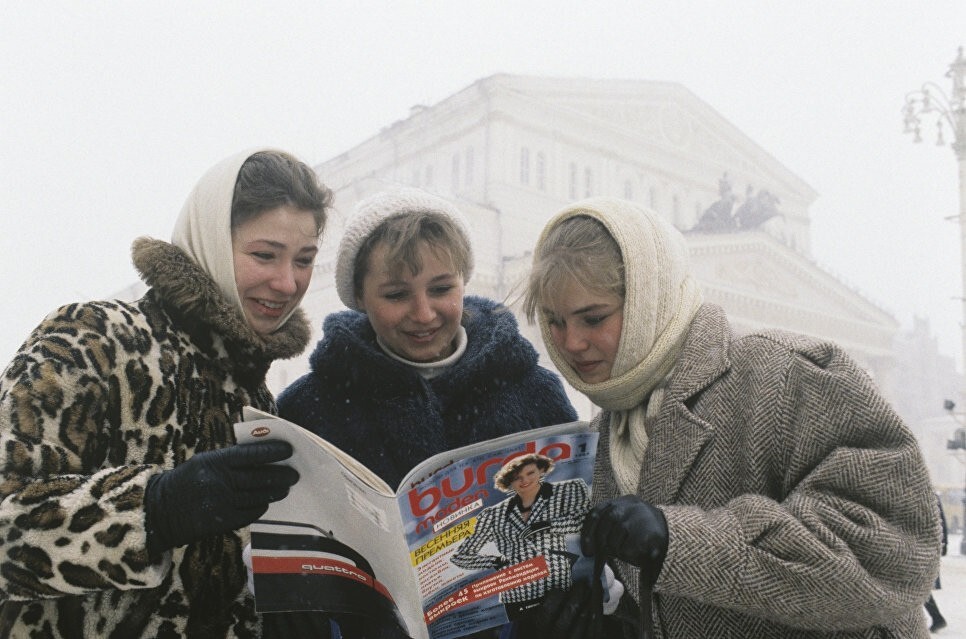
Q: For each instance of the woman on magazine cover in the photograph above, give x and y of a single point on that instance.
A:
(533, 522)
(124, 502)
(747, 486)
(414, 367)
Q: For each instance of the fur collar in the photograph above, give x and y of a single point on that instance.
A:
(495, 353)
(191, 292)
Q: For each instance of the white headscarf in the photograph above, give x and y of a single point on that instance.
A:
(661, 299)
(203, 229)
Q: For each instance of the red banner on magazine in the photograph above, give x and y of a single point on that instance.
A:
(505, 579)
(316, 566)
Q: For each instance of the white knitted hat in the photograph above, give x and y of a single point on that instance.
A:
(370, 213)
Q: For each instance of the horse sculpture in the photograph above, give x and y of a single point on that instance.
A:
(721, 216)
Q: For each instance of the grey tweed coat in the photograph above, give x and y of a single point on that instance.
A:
(798, 504)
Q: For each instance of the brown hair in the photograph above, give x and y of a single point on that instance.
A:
(403, 233)
(269, 179)
(508, 474)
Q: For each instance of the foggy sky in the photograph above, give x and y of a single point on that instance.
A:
(110, 111)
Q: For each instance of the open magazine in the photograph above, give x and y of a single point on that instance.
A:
(447, 553)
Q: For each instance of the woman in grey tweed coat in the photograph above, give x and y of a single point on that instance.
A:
(755, 486)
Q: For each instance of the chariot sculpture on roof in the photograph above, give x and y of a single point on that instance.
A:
(754, 210)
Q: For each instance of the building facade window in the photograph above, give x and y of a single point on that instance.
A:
(428, 180)
(652, 198)
(573, 181)
(455, 177)
(541, 172)
(628, 190)
(524, 165)
(469, 166)
(588, 182)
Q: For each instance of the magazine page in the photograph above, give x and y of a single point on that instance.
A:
(431, 465)
(491, 527)
(336, 542)
(304, 442)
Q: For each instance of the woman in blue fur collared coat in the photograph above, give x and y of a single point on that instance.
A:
(415, 368)
(387, 415)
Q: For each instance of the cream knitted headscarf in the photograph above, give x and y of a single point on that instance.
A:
(661, 299)
(203, 229)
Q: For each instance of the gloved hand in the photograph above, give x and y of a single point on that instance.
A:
(215, 492)
(584, 570)
(569, 614)
(628, 528)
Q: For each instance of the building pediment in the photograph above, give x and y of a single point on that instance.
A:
(663, 115)
(761, 282)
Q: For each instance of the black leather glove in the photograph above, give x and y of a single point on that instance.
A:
(628, 528)
(294, 625)
(577, 613)
(215, 492)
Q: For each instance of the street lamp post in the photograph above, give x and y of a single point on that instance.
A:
(948, 110)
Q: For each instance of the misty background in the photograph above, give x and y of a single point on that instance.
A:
(110, 111)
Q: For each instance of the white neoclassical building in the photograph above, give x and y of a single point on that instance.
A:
(511, 150)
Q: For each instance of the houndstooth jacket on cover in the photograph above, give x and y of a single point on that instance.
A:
(558, 510)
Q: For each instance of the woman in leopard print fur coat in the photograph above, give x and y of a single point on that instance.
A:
(124, 503)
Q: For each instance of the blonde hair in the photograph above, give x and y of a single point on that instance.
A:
(581, 250)
(404, 233)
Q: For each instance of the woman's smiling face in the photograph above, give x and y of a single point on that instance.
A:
(416, 315)
(526, 484)
(273, 254)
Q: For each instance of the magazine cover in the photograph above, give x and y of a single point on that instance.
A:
(489, 534)
(470, 538)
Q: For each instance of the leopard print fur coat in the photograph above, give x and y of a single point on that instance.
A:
(100, 397)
